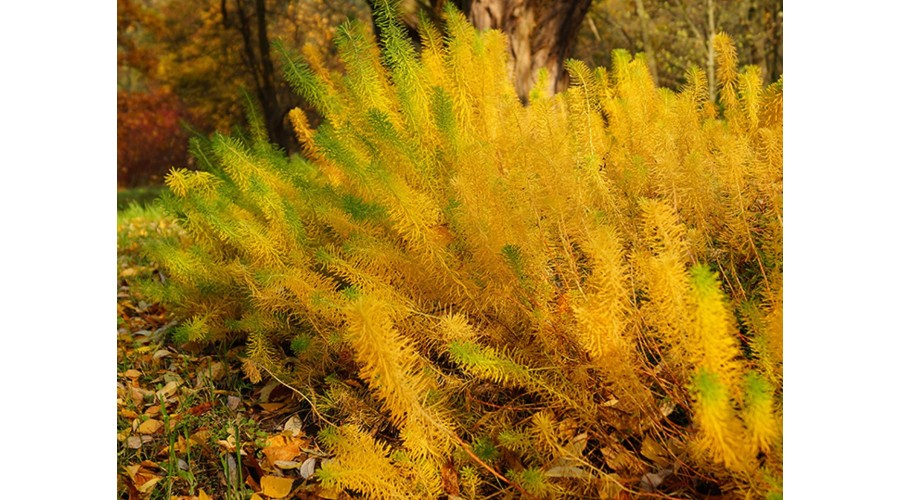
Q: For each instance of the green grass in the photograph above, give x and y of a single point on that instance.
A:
(141, 196)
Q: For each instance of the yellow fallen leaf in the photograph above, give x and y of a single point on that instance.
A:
(143, 479)
(276, 487)
(328, 493)
(281, 448)
(181, 446)
(203, 496)
(200, 437)
(128, 413)
(255, 496)
(168, 390)
(654, 451)
(150, 426)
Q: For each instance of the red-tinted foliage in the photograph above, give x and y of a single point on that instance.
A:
(150, 138)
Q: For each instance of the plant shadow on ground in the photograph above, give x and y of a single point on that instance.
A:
(189, 423)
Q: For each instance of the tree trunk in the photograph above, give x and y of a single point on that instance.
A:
(258, 58)
(541, 34)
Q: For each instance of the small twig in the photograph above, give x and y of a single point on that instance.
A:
(311, 405)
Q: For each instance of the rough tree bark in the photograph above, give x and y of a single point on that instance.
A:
(541, 33)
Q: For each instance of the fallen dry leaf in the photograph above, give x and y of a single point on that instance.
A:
(229, 444)
(276, 487)
(654, 451)
(200, 437)
(308, 468)
(271, 406)
(142, 478)
(651, 481)
(201, 408)
(125, 412)
(294, 425)
(133, 442)
(150, 426)
(168, 390)
(266, 392)
(568, 471)
(203, 496)
(161, 354)
(283, 448)
(137, 396)
(329, 493)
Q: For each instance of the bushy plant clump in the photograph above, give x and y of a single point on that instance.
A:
(575, 297)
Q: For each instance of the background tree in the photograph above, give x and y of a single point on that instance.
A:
(541, 33)
(199, 54)
(675, 34)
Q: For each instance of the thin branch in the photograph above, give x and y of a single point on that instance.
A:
(311, 405)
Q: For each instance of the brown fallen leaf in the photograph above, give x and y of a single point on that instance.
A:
(276, 487)
(328, 493)
(161, 354)
(168, 390)
(283, 448)
(201, 408)
(654, 451)
(150, 426)
(228, 444)
(137, 396)
(200, 437)
(125, 412)
(142, 478)
(271, 406)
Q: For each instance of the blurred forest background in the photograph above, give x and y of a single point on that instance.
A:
(186, 66)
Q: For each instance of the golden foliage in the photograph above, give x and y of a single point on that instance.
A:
(527, 279)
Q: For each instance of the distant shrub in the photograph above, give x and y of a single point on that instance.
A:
(150, 138)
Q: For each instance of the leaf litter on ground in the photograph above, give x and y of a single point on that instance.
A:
(190, 425)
